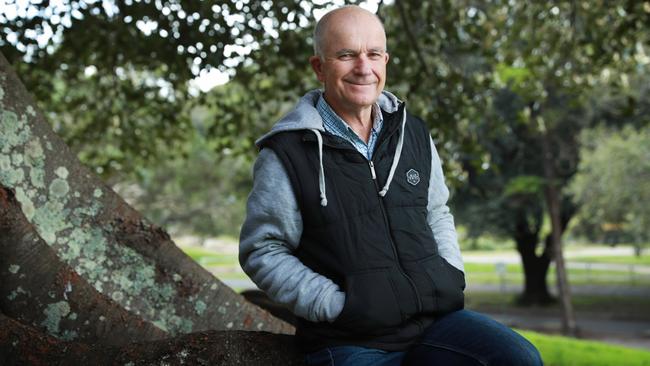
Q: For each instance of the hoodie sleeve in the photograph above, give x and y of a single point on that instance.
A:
(439, 218)
(270, 235)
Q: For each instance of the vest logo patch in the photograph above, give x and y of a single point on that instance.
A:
(413, 177)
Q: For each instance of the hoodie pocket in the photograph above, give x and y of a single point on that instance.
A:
(448, 284)
(370, 303)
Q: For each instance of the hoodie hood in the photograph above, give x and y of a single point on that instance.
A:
(305, 115)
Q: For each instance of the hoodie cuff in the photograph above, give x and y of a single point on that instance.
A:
(333, 309)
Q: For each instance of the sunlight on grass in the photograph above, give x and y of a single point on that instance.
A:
(207, 258)
(563, 351)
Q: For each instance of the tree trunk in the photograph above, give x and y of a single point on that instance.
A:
(49, 295)
(79, 263)
(638, 249)
(553, 202)
(535, 267)
(23, 345)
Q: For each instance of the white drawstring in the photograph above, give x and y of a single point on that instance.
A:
(398, 153)
(321, 173)
(393, 167)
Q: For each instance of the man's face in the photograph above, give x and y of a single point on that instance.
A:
(353, 64)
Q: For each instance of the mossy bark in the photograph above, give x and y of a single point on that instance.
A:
(78, 263)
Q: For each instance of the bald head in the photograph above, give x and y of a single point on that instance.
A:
(335, 16)
(350, 61)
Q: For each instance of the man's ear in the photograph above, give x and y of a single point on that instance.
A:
(317, 65)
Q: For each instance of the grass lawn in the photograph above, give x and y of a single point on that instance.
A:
(209, 258)
(485, 273)
(477, 273)
(563, 351)
(624, 307)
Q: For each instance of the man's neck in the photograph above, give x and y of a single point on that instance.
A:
(359, 119)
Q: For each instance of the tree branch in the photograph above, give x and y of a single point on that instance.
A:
(412, 38)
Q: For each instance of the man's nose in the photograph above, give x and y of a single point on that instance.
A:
(362, 64)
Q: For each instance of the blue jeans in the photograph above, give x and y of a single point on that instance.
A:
(460, 338)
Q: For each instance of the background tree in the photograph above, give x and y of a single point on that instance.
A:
(559, 50)
(611, 183)
(541, 60)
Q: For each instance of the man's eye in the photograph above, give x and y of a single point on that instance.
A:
(375, 55)
(346, 56)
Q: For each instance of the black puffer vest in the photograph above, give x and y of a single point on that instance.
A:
(379, 250)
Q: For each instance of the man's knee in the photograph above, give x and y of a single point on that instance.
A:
(521, 353)
(483, 338)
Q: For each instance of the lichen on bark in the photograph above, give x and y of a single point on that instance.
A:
(66, 219)
(54, 313)
(91, 231)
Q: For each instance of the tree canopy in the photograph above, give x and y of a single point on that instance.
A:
(117, 72)
(611, 184)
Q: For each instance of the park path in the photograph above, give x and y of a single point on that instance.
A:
(575, 259)
(623, 332)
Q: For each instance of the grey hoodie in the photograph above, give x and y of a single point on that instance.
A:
(273, 226)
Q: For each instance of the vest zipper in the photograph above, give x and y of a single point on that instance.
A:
(372, 171)
(390, 237)
(383, 211)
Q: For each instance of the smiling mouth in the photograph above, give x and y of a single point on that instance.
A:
(361, 84)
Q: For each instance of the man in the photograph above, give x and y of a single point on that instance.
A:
(347, 223)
